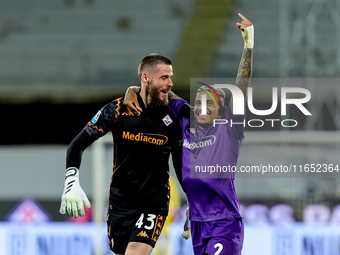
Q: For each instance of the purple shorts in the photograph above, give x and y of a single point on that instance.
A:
(219, 237)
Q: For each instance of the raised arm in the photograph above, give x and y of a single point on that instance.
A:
(245, 67)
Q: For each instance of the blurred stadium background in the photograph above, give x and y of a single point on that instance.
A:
(61, 61)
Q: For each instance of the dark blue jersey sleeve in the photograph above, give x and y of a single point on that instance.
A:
(103, 121)
(76, 148)
(99, 125)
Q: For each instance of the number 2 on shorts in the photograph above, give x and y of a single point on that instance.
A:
(219, 247)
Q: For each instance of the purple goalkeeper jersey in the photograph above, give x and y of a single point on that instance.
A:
(209, 164)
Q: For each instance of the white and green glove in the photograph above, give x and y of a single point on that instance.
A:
(74, 198)
(187, 231)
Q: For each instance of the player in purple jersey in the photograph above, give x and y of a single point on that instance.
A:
(216, 221)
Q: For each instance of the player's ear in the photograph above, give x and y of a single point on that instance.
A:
(145, 77)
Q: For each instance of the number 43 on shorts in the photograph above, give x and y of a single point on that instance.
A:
(151, 225)
(150, 219)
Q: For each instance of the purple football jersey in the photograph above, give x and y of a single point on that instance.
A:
(209, 164)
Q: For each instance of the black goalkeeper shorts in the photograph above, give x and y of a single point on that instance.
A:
(143, 228)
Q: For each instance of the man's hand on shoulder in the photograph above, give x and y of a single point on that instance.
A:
(131, 100)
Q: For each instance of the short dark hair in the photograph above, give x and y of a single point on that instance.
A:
(150, 61)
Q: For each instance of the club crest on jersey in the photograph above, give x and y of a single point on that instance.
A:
(193, 131)
(95, 118)
(167, 120)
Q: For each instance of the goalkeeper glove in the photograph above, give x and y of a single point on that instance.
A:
(187, 232)
(73, 198)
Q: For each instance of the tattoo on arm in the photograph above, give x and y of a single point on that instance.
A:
(244, 70)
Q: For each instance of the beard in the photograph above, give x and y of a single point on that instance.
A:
(152, 97)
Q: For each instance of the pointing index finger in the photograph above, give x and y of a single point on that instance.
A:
(242, 17)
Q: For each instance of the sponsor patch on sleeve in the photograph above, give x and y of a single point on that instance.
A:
(95, 118)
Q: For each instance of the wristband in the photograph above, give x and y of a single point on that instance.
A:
(248, 35)
(71, 171)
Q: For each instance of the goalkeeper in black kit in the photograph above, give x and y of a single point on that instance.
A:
(139, 190)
